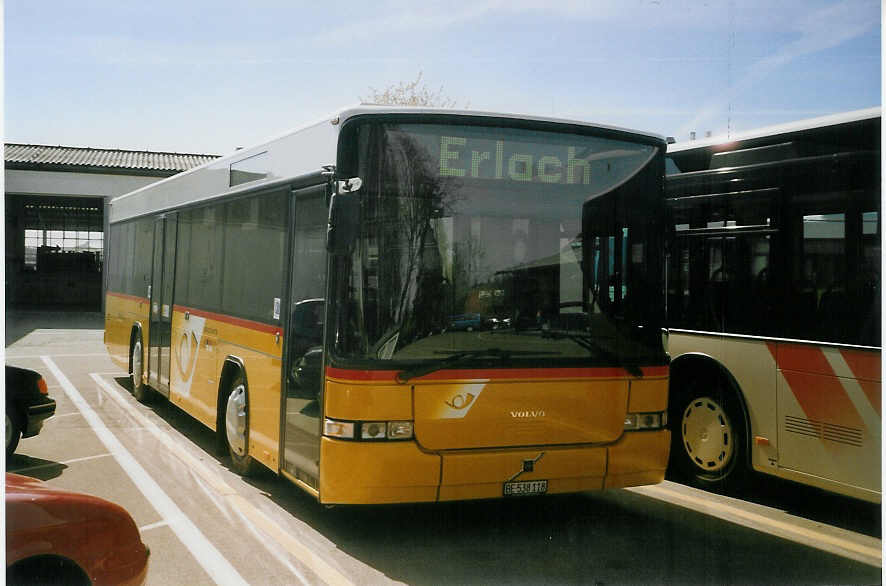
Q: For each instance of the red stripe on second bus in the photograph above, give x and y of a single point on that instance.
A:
(814, 384)
(823, 398)
(865, 365)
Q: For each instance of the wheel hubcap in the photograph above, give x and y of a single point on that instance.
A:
(235, 420)
(137, 364)
(707, 434)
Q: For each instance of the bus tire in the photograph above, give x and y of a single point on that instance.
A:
(236, 425)
(136, 370)
(708, 441)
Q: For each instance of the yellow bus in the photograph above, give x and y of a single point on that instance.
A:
(408, 305)
(773, 305)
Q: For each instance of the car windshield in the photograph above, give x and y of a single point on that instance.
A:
(502, 245)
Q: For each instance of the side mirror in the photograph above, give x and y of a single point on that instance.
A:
(344, 216)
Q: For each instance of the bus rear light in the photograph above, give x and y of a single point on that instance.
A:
(368, 430)
(642, 421)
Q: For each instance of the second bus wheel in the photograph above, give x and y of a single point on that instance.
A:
(237, 426)
(708, 437)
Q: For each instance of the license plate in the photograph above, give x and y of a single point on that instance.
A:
(526, 488)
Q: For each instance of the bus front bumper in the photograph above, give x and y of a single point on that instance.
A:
(400, 472)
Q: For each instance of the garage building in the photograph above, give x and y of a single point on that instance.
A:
(56, 217)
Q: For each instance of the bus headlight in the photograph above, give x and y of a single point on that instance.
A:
(399, 430)
(641, 421)
(368, 430)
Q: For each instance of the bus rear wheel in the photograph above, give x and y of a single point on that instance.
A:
(708, 440)
(236, 430)
(136, 371)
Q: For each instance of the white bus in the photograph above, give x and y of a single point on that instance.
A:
(773, 305)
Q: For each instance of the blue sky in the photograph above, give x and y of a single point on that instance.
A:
(209, 76)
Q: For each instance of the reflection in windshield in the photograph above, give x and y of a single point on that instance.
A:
(463, 263)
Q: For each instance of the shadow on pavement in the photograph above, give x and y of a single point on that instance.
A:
(34, 467)
(20, 323)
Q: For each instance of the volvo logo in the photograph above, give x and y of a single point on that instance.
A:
(528, 414)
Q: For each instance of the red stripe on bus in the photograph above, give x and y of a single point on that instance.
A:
(235, 321)
(815, 385)
(823, 398)
(803, 359)
(128, 297)
(873, 392)
(495, 374)
(865, 365)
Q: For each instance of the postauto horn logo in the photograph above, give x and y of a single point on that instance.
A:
(187, 349)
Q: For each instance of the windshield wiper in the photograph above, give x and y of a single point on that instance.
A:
(460, 356)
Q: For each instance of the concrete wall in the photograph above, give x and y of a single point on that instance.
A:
(66, 183)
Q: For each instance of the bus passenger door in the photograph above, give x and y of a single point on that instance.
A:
(162, 276)
(303, 367)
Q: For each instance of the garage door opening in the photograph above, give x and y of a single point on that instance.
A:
(58, 255)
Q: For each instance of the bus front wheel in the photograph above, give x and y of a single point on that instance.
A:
(708, 437)
(237, 426)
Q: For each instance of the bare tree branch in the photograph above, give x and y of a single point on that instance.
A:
(411, 93)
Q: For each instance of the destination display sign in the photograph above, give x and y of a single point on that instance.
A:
(521, 156)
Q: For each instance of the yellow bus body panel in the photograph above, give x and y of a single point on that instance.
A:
(367, 401)
(121, 313)
(200, 346)
(648, 396)
(379, 472)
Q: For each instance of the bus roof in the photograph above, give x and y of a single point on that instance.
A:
(293, 154)
(770, 132)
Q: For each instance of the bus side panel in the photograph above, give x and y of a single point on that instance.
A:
(201, 342)
(829, 402)
(260, 350)
(194, 372)
(121, 313)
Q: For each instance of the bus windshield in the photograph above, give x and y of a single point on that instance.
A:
(501, 246)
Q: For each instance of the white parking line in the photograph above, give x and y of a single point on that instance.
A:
(57, 416)
(212, 561)
(246, 510)
(156, 525)
(829, 541)
(17, 356)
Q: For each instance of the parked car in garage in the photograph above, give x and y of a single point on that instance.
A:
(55, 536)
(28, 405)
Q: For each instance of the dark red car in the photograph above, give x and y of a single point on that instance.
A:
(55, 536)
